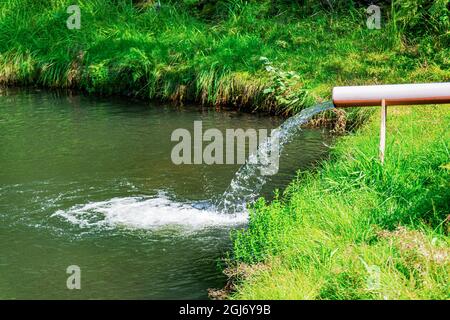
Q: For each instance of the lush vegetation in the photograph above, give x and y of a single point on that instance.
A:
(210, 51)
(352, 229)
(356, 229)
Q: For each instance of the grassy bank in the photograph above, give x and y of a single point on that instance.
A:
(210, 51)
(355, 229)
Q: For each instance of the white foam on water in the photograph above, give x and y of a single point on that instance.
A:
(147, 213)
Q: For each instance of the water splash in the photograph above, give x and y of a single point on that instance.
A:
(147, 213)
(160, 211)
(249, 180)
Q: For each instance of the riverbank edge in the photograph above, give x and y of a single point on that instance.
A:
(337, 120)
(411, 251)
(247, 58)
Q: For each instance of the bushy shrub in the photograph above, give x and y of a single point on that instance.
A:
(422, 17)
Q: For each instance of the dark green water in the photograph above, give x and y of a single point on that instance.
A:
(89, 181)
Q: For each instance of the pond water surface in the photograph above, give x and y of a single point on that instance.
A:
(89, 181)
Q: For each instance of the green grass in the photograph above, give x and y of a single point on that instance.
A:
(355, 229)
(327, 236)
(181, 53)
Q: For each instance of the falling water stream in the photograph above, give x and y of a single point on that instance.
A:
(250, 178)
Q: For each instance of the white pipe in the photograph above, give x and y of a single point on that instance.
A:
(397, 94)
